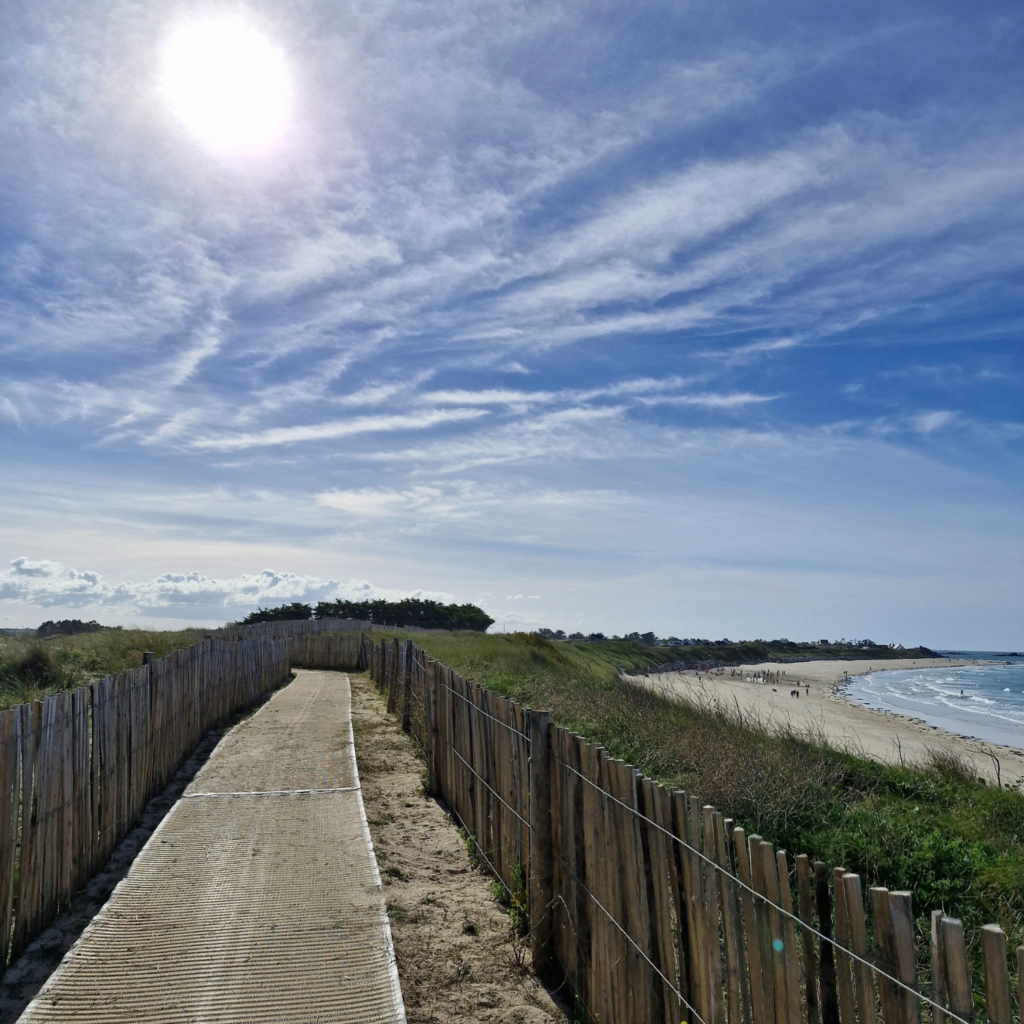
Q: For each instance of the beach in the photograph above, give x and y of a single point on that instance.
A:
(822, 711)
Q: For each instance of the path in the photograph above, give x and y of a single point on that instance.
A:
(257, 898)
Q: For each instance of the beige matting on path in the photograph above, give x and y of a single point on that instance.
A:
(258, 897)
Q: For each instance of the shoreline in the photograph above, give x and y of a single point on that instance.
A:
(823, 711)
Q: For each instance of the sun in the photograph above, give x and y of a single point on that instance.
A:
(227, 83)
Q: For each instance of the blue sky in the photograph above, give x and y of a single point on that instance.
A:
(701, 318)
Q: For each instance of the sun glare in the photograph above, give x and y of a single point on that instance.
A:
(227, 83)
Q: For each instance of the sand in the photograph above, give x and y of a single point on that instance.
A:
(822, 710)
(458, 959)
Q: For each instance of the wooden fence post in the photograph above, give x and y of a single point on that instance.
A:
(958, 975)
(1020, 976)
(9, 801)
(390, 662)
(803, 879)
(406, 670)
(844, 965)
(438, 739)
(429, 720)
(826, 969)
(998, 1004)
(885, 954)
(902, 914)
(938, 970)
(541, 893)
(859, 944)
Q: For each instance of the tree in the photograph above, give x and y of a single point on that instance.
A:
(68, 627)
(409, 612)
(285, 612)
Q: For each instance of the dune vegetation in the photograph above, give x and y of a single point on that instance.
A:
(934, 828)
(32, 667)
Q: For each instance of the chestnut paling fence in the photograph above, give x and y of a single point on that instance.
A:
(647, 906)
(644, 904)
(78, 768)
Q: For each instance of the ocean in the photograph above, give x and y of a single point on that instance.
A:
(984, 702)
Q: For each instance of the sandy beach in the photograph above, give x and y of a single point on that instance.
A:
(822, 710)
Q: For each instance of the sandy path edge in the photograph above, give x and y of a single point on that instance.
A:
(824, 712)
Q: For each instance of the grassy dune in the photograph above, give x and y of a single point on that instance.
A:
(31, 669)
(955, 842)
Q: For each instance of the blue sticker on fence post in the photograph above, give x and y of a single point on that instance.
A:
(777, 945)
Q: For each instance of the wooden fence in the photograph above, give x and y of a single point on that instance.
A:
(648, 907)
(77, 769)
(287, 628)
(341, 651)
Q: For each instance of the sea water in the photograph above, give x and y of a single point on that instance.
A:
(984, 702)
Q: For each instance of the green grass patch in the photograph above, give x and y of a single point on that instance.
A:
(32, 668)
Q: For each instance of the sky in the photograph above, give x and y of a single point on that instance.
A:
(700, 318)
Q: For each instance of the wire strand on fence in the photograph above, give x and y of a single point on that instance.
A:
(632, 942)
(511, 728)
(743, 885)
(496, 796)
(478, 849)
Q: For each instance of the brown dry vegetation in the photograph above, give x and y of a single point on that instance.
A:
(458, 958)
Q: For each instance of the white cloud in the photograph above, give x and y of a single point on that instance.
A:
(929, 422)
(710, 401)
(48, 584)
(421, 501)
(334, 429)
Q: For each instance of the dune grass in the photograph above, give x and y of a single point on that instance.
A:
(935, 829)
(31, 669)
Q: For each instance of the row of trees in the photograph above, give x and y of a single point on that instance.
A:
(408, 612)
(67, 627)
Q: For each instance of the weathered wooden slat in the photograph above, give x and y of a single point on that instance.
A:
(902, 916)
(844, 965)
(998, 1002)
(770, 875)
(858, 936)
(810, 963)
(712, 903)
(737, 985)
(885, 955)
(30, 721)
(764, 938)
(601, 962)
(958, 975)
(67, 824)
(789, 930)
(938, 965)
(9, 803)
(1020, 976)
(750, 931)
(826, 956)
(689, 942)
(659, 899)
